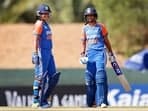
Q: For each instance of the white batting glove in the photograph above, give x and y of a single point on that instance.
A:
(83, 60)
(35, 58)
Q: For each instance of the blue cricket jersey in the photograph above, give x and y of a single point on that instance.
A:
(45, 40)
(94, 37)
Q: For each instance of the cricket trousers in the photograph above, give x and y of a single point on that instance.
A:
(43, 72)
(96, 78)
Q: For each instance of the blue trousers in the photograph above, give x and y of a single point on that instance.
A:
(45, 68)
(96, 78)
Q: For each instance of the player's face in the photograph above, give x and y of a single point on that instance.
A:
(90, 18)
(45, 16)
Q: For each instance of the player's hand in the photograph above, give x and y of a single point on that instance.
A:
(112, 58)
(82, 54)
(35, 58)
(83, 60)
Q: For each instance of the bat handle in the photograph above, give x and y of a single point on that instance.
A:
(116, 68)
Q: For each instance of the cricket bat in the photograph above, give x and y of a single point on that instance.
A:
(120, 76)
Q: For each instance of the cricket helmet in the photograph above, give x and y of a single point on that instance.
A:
(43, 8)
(90, 11)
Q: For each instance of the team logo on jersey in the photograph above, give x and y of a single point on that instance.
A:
(48, 33)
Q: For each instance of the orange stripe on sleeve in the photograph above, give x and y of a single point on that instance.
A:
(38, 27)
(104, 30)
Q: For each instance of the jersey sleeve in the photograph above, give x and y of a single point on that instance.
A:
(83, 35)
(104, 30)
(37, 28)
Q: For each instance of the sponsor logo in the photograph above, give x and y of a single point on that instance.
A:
(14, 99)
(115, 97)
(137, 98)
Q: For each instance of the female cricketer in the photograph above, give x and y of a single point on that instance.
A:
(94, 44)
(46, 76)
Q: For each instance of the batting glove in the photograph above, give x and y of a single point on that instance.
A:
(83, 60)
(35, 58)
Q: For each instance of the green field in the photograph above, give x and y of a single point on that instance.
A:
(75, 109)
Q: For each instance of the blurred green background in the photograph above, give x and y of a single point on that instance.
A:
(127, 20)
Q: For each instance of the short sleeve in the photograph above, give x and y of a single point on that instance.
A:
(104, 30)
(83, 35)
(37, 28)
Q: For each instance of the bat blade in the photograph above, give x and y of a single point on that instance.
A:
(121, 76)
(124, 82)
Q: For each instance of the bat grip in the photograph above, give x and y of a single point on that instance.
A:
(116, 68)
